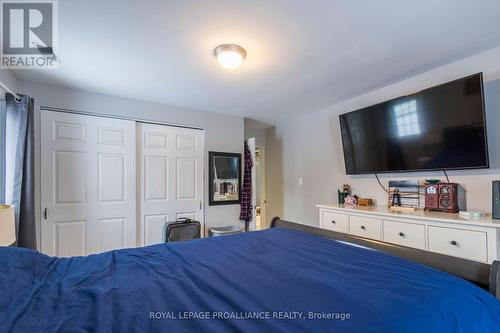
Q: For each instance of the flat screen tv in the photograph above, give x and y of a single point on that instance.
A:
(440, 128)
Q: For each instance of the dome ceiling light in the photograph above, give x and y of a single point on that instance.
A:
(230, 56)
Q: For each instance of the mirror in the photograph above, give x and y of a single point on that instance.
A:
(224, 178)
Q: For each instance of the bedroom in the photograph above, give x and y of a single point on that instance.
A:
(119, 118)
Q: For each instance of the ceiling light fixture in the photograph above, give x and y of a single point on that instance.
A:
(230, 56)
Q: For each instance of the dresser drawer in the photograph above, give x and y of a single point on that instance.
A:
(406, 234)
(365, 227)
(334, 221)
(466, 244)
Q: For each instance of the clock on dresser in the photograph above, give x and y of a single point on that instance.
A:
(444, 197)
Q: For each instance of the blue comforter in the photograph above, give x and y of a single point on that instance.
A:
(276, 280)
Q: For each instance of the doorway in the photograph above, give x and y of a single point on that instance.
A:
(260, 192)
(258, 186)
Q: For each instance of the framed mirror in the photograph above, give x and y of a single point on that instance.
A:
(224, 171)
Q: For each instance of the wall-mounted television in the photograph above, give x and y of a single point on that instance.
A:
(439, 128)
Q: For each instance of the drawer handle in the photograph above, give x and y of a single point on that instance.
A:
(454, 243)
(363, 227)
(333, 222)
(402, 234)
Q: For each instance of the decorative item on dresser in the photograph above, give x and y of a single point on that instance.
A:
(396, 198)
(445, 233)
(346, 191)
(402, 209)
(365, 202)
(444, 197)
(405, 193)
(350, 201)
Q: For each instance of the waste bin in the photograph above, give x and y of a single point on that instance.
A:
(226, 230)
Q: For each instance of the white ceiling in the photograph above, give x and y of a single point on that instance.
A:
(302, 55)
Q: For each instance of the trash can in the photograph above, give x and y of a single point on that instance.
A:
(226, 230)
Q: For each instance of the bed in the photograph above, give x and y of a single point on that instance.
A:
(290, 278)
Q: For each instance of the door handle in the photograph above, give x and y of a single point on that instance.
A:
(45, 213)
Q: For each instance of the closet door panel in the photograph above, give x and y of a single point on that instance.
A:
(88, 184)
(156, 178)
(171, 173)
(185, 178)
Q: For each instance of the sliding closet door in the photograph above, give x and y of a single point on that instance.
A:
(170, 162)
(88, 184)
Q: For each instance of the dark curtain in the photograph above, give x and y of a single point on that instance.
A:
(23, 194)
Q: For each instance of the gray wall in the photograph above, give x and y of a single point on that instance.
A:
(258, 134)
(257, 130)
(222, 132)
(310, 147)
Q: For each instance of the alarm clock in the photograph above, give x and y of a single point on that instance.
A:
(442, 197)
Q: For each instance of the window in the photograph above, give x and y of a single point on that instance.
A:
(407, 118)
(2, 150)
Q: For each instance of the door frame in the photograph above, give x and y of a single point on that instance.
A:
(38, 171)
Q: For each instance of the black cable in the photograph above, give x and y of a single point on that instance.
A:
(376, 176)
(447, 179)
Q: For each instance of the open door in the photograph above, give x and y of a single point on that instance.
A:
(251, 147)
(260, 198)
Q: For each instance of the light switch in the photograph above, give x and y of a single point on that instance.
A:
(301, 181)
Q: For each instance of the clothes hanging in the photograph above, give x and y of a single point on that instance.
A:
(246, 189)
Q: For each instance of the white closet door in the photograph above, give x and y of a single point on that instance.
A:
(170, 162)
(88, 184)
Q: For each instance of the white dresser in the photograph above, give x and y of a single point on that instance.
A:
(474, 239)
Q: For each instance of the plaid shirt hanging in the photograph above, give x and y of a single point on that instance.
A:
(246, 188)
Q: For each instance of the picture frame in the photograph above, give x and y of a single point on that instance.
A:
(224, 178)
